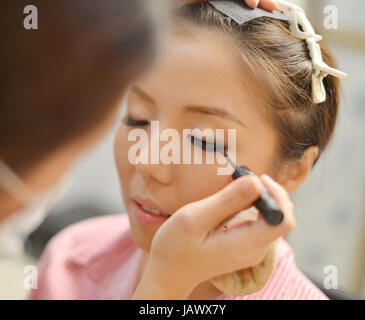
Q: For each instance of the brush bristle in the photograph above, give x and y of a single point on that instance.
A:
(207, 146)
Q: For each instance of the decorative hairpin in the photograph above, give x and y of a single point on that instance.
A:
(320, 68)
(295, 15)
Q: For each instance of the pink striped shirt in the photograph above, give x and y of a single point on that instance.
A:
(98, 259)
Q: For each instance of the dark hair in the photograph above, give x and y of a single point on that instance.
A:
(67, 76)
(281, 65)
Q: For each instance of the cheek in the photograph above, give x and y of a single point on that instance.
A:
(200, 181)
(256, 152)
(121, 147)
(258, 160)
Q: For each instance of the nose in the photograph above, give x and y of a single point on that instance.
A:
(161, 173)
(155, 170)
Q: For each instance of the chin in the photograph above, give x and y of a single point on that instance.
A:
(140, 237)
(142, 243)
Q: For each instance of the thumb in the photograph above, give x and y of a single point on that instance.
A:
(236, 196)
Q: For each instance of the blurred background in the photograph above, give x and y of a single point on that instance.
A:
(330, 206)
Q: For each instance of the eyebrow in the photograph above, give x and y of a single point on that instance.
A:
(191, 108)
(145, 96)
(215, 112)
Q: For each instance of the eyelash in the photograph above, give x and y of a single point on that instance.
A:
(225, 147)
(129, 121)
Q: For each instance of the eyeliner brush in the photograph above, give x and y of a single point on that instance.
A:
(266, 204)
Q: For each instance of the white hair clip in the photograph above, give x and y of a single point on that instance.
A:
(320, 68)
(295, 15)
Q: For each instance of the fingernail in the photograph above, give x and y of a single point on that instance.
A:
(249, 186)
(267, 179)
(253, 3)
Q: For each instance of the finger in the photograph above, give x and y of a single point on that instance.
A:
(259, 233)
(277, 192)
(239, 195)
(268, 5)
(252, 236)
(252, 3)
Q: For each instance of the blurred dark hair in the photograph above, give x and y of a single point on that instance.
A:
(59, 81)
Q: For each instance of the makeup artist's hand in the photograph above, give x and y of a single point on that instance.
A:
(189, 248)
(268, 5)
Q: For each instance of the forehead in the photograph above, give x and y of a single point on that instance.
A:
(200, 67)
(203, 69)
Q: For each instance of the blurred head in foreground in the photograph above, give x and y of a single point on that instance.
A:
(61, 84)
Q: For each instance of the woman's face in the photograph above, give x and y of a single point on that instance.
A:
(197, 83)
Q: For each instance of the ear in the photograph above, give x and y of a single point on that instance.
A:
(298, 171)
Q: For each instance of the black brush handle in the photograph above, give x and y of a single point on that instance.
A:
(266, 204)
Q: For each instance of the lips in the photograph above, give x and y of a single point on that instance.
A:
(150, 206)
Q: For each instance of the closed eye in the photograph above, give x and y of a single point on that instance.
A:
(207, 146)
(129, 121)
